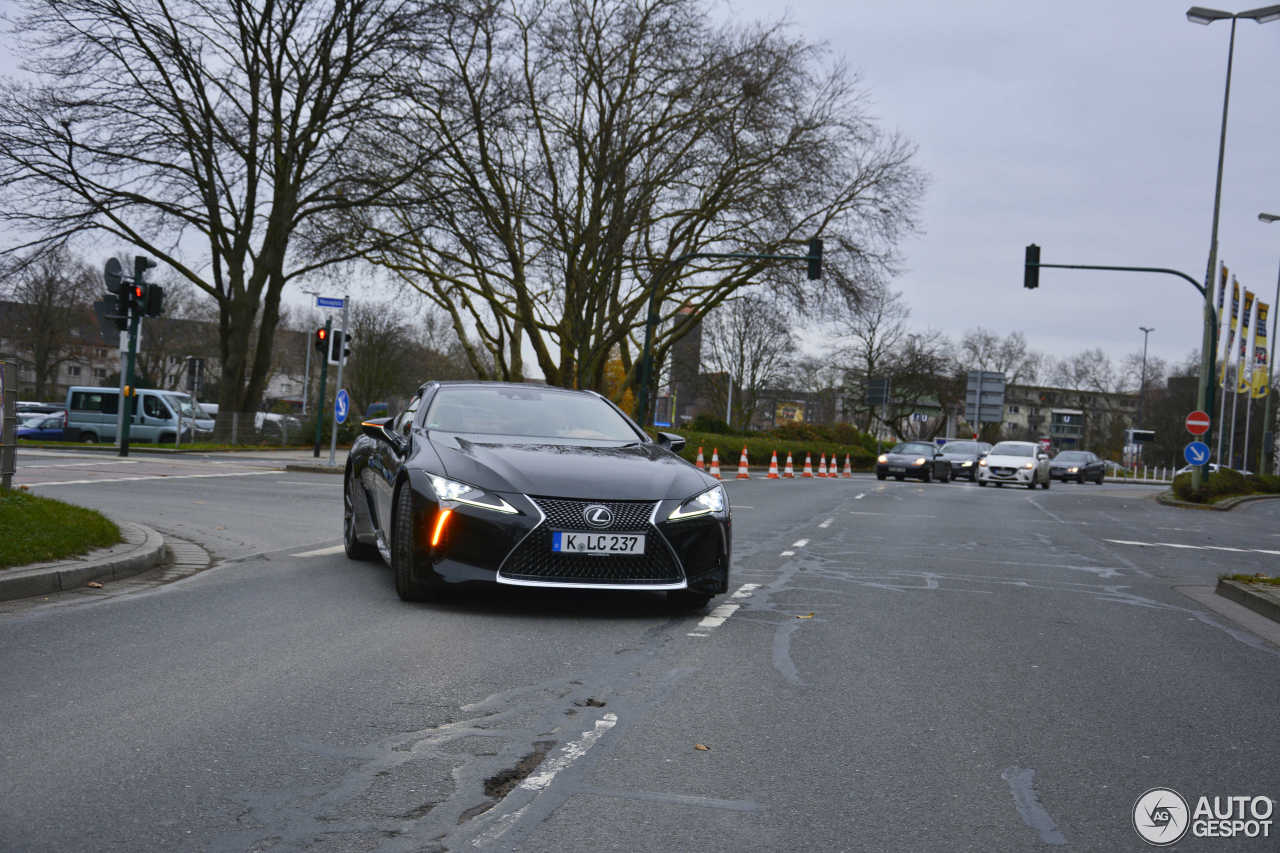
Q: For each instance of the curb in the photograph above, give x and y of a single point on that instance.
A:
(1168, 499)
(315, 469)
(1243, 593)
(142, 549)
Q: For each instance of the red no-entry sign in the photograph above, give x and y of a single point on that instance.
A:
(1198, 423)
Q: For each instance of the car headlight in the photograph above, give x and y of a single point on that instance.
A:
(711, 502)
(452, 491)
(882, 458)
(982, 463)
(919, 461)
(968, 463)
(1028, 465)
(1072, 470)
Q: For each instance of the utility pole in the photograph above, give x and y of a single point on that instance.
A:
(1142, 388)
(322, 340)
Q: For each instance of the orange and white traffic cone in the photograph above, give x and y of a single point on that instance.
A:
(773, 467)
(743, 474)
(848, 469)
(822, 466)
(808, 466)
(788, 473)
(715, 464)
(700, 465)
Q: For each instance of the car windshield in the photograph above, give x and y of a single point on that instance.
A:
(909, 448)
(1071, 456)
(526, 411)
(183, 405)
(1009, 448)
(960, 447)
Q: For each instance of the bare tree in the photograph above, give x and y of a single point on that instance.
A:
(587, 149)
(50, 292)
(871, 332)
(207, 133)
(747, 343)
(917, 369)
(982, 349)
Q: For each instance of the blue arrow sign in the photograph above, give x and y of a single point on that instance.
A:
(342, 405)
(1196, 453)
(329, 302)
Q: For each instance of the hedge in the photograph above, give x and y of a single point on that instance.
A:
(1225, 483)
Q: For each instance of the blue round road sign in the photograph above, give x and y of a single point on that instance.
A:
(341, 406)
(1196, 453)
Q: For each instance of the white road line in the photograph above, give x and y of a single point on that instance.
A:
(155, 477)
(716, 617)
(824, 525)
(321, 552)
(1183, 547)
(745, 590)
(859, 496)
(85, 464)
(787, 554)
(799, 543)
(894, 514)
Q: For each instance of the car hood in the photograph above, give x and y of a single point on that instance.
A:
(588, 470)
(1008, 461)
(907, 458)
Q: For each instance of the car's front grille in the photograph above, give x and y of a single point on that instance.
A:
(533, 559)
(1003, 472)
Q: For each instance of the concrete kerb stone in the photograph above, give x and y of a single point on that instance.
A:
(1260, 599)
(317, 468)
(142, 549)
(1168, 499)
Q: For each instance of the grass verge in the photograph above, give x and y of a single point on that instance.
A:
(1259, 579)
(35, 529)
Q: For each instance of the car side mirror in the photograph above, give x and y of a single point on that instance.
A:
(671, 441)
(1042, 455)
(379, 429)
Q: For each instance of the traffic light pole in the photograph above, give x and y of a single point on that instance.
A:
(130, 394)
(342, 351)
(324, 374)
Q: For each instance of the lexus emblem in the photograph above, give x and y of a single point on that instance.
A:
(598, 516)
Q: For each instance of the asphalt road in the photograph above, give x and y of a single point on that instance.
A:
(899, 667)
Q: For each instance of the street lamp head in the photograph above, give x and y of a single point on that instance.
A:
(1263, 15)
(1268, 217)
(1201, 15)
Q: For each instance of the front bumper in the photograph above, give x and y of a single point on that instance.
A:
(892, 469)
(999, 474)
(486, 547)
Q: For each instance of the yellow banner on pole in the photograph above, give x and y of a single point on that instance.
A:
(1244, 383)
(1260, 371)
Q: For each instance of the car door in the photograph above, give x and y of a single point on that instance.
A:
(385, 462)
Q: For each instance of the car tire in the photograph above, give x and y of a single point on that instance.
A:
(686, 599)
(899, 477)
(973, 476)
(926, 476)
(356, 550)
(880, 476)
(1032, 483)
(1101, 477)
(88, 438)
(407, 587)
(1046, 482)
(982, 483)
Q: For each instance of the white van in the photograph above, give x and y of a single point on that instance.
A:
(156, 415)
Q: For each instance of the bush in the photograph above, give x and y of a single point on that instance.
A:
(1225, 483)
(709, 423)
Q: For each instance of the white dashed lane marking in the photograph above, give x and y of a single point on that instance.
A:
(824, 525)
(717, 617)
(154, 477)
(1185, 547)
(799, 543)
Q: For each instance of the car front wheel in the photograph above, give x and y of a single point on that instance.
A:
(407, 587)
(356, 550)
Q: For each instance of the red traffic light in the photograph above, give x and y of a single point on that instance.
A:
(322, 335)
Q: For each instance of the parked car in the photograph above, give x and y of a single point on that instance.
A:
(1078, 465)
(962, 457)
(43, 427)
(920, 459)
(1213, 469)
(1019, 463)
(26, 407)
(92, 413)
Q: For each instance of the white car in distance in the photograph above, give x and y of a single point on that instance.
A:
(1021, 463)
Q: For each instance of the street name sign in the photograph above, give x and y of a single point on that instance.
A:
(1196, 453)
(329, 302)
(1198, 422)
(341, 406)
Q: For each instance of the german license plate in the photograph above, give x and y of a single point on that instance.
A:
(896, 469)
(597, 543)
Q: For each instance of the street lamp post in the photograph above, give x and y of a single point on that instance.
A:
(1142, 387)
(1204, 399)
(1268, 439)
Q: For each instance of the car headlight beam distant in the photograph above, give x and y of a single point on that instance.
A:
(1028, 465)
(451, 491)
(711, 502)
(882, 458)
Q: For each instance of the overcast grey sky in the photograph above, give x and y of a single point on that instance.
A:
(1090, 128)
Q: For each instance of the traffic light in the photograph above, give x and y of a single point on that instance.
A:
(339, 345)
(1031, 269)
(322, 339)
(116, 309)
(815, 259)
(153, 301)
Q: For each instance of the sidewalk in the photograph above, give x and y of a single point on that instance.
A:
(142, 549)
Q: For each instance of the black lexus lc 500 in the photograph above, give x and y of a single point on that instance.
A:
(530, 485)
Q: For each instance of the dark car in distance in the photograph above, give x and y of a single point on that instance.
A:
(1078, 465)
(43, 427)
(962, 456)
(920, 459)
(480, 483)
